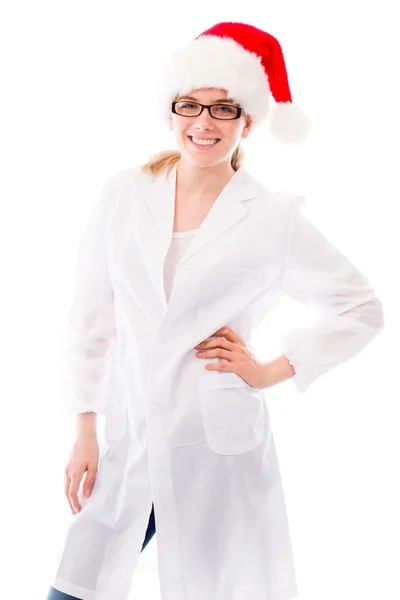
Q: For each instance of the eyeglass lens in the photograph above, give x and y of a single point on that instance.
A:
(219, 111)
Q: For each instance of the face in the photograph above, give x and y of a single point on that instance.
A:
(228, 132)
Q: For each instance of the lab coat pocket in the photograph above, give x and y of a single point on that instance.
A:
(232, 411)
(227, 291)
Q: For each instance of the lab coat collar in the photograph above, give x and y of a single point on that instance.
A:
(228, 209)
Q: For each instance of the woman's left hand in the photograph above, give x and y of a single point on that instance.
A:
(240, 356)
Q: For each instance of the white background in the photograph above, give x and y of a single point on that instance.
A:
(76, 80)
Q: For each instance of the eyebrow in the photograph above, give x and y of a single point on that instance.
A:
(215, 101)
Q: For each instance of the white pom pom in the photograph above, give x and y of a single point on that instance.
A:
(288, 122)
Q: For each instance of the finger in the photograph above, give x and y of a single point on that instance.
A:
(66, 482)
(217, 353)
(89, 481)
(232, 336)
(66, 492)
(221, 330)
(73, 492)
(220, 367)
(219, 342)
(227, 333)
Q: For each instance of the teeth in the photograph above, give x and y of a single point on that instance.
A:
(204, 142)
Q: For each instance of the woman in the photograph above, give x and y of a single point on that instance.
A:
(181, 260)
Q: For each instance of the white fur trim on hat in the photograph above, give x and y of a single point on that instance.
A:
(215, 62)
(288, 122)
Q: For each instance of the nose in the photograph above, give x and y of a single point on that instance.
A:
(204, 120)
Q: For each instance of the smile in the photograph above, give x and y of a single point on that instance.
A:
(205, 145)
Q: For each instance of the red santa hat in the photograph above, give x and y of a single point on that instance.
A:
(249, 64)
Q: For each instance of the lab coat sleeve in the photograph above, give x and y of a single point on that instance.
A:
(90, 330)
(317, 274)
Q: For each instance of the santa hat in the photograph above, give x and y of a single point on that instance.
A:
(249, 64)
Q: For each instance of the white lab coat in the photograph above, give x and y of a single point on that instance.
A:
(197, 443)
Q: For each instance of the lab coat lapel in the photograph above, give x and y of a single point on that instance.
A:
(227, 210)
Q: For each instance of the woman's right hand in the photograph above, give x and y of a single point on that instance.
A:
(83, 458)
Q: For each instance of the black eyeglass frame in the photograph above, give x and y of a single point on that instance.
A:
(208, 106)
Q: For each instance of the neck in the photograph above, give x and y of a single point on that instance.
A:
(200, 181)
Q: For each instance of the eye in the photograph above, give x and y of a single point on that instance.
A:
(229, 109)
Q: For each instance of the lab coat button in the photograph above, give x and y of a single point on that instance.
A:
(154, 410)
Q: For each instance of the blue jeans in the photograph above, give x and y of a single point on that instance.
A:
(151, 529)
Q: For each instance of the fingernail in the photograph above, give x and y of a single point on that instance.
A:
(87, 493)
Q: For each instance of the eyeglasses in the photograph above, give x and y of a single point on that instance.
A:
(217, 111)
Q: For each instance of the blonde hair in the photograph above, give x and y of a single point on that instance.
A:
(164, 161)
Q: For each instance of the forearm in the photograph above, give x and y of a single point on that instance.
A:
(277, 370)
(86, 424)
